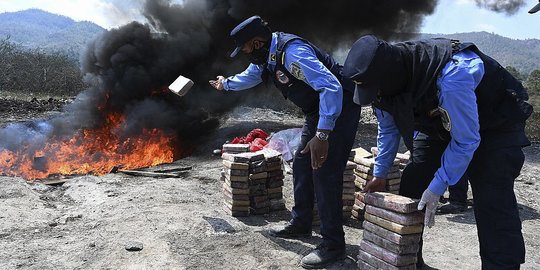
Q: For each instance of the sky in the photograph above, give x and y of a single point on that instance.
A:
(457, 16)
(450, 16)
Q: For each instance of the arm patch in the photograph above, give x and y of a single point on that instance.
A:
(445, 119)
(297, 72)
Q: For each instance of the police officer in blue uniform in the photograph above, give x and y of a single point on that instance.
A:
(448, 91)
(312, 80)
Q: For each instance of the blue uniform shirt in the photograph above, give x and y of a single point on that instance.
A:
(456, 84)
(316, 75)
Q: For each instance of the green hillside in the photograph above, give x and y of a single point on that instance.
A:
(34, 28)
(521, 54)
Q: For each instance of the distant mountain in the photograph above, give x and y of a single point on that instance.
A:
(35, 28)
(524, 55)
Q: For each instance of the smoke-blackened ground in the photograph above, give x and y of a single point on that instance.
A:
(87, 222)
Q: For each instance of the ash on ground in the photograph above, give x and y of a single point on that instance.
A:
(86, 222)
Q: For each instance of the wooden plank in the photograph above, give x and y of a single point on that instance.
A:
(54, 182)
(149, 174)
(169, 168)
(397, 228)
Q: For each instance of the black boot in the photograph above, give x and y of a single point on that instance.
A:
(290, 231)
(322, 256)
(452, 208)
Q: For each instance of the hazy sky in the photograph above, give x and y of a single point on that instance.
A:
(451, 16)
(455, 16)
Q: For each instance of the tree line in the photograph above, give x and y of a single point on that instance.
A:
(38, 72)
(531, 81)
(34, 71)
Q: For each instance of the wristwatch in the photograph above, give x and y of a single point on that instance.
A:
(323, 136)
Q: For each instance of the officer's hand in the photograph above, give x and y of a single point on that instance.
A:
(430, 201)
(218, 83)
(375, 184)
(318, 150)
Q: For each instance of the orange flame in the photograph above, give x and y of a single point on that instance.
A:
(90, 151)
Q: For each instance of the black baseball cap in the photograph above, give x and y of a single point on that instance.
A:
(360, 68)
(248, 29)
(535, 9)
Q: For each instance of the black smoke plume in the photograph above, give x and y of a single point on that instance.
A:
(502, 6)
(192, 39)
(131, 66)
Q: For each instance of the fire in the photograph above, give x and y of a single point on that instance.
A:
(90, 151)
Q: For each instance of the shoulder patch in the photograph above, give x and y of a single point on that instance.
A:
(445, 119)
(297, 72)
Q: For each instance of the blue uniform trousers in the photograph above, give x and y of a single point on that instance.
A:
(491, 172)
(458, 192)
(326, 183)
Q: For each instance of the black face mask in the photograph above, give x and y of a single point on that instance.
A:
(387, 72)
(259, 56)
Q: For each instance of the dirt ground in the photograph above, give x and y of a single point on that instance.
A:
(88, 222)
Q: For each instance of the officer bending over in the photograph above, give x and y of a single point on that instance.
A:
(448, 91)
(312, 80)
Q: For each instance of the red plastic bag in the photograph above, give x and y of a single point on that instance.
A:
(257, 144)
(255, 138)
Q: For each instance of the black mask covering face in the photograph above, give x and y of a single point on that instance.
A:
(387, 72)
(259, 56)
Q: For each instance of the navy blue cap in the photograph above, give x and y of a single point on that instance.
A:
(535, 9)
(357, 68)
(248, 29)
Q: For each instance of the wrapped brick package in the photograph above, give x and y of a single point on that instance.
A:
(392, 232)
(253, 181)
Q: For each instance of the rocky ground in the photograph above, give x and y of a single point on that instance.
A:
(90, 221)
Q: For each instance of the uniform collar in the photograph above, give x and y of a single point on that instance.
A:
(273, 50)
